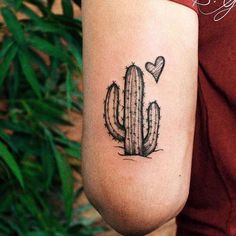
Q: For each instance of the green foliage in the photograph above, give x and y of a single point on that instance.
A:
(39, 56)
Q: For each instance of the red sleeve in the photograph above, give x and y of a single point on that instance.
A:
(188, 3)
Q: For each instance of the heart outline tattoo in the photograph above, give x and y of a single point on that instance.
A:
(156, 69)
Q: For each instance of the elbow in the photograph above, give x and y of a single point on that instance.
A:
(137, 213)
(135, 199)
(137, 222)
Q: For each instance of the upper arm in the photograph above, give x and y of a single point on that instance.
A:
(117, 34)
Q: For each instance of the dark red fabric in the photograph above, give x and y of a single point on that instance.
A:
(211, 206)
(187, 3)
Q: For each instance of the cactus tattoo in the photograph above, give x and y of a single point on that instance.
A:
(126, 123)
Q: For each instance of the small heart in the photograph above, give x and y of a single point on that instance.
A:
(157, 68)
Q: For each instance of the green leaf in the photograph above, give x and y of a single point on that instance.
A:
(62, 140)
(74, 152)
(72, 24)
(18, 3)
(29, 72)
(40, 5)
(45, 111)
(30, 204)
(11, 163)
(75, 48)
(17, 127)
(14, 83)
(28, 12)
(45, 106)
(44, 46)
(51, 84)
(28, 144)
(67, 8)
(6, 63)
(43, 26)
(13, 25)
(67, 181)
(6, 199)
(36, 23)
(39, 62)
(11, 226)
(69, 88)
(65, 176)
(48, 164)
(5, 46)
(6, 138)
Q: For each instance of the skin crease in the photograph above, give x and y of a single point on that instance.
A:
(136, 195)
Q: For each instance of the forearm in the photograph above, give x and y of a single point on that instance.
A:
(117, 34)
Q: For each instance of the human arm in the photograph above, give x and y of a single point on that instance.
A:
(137, 195)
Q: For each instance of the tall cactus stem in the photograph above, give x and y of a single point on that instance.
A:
(133, 113)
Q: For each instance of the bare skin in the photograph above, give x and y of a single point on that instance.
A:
(136, 194)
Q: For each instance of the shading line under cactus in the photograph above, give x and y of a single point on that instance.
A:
(126, 123)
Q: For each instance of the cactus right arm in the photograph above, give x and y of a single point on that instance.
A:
(138, 194)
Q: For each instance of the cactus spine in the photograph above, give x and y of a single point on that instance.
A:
(127, 124)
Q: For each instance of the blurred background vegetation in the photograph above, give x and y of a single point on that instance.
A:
(40, 71)
(41, 102)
